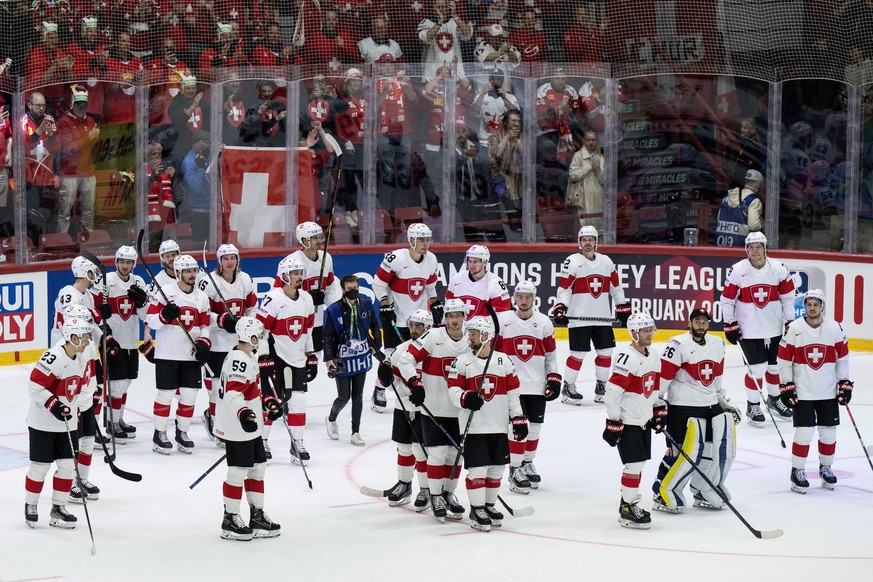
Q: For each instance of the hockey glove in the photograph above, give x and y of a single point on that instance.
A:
(659, 419)
(273, 408)
(612, 432)
(60, 410)
(732, 332)
(472, 400)
(105, 311)
(519, 428)
(201, 350)
(148, 350)
(96, 399)
(267, 367)
(169, 313)
(227, 322)
(138, 295)
(844, 391)
(387, 315)
(317, 296)
(311, 367)
(247, 420)
(112, 345)
(622, 313)
(559, 314)
(416, 391)
(553, 386)
(788, 394)
(436, 311)
(384, 373)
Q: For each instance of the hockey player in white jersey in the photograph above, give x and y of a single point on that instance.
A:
(700, 418)
(323, 287)
(528, 338)
(404, 283)
(288, 314)
(633, 408)
(177, 361)
(54, 387)
(475, 285)
(127, 296)
(235, 292)
(239, 415)
(489, 403)
(756, 304)
(588, 281)
(168, 251)
(814, 370)
(434, 353)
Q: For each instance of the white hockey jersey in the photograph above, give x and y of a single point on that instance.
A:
(586, 287)
(330, 284)
(240, 389)
(632, 389)
(499, 389)
(399, 385)
(125, 316)
(170, 341)
(760, 300)
(476, 294)
(56, 374)
(530, 344)
(434, 353)
(691, 374)
(161, 279)
(241, 299)
(291, 322)
(815, 359)
(67, 296)
(407, 284)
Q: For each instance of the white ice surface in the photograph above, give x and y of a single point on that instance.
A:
(159, 529)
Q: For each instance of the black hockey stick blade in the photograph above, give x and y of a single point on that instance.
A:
(520, 512)
(126, 475)
(370, 492)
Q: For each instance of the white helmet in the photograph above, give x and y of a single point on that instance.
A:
(75, 326)
(418, 230)
(815, 294)
(226, 250)
(587, 230)
(525, 286)
(126, 252)
(248, 327)
(756, 237)
(422, 316)
(183, 262)
(479, 252)
(484, 325)
(639, 321)
(80, 311)
(82, 266)
(288, 265)
(454, 306)
(168, 246)
(308, 230)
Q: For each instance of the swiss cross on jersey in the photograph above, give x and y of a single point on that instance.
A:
(815, 355)
(488, 386)
(236, 307)
(444, 41)
(473, 304)
(596, 284)
(236, 113)
(71, 387)
(706, 371)
(446, 366)
(122, 306)
(195, 120)
(416, 288)
(759, 295)
(318, 109)
(523, 347)
(295, 326)
(648, 383)
(188, 317)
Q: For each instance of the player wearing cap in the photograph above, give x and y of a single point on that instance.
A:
(404, 283)
(814, 371)
(756, 304)
(740, 212)
(588, 281)
(323, 287)
(699, 418)
(475, 285)
(229, 289)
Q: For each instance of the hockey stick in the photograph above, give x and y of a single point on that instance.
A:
(760, 534)
(763, 397)
(81, 488)
(611, 320)
(214, 286)
(857, 432)
(164, 295)
(335, 172)
(289, 380)
(135, 477)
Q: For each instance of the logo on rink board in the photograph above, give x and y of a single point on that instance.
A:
(16, 312)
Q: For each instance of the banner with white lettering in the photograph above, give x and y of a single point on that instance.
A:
(23, 314)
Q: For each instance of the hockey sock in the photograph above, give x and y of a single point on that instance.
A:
(86, 447)
(297, 413)
(630, 480)
(233, 488)
(420, 465)
(62, 481)
(34, 481)
(475, 484)
(533, 440)
(602, 364)
(405, 462)
(185, 410)
(163, 400)
(752, 394)
(827, 444)
(450, 483)
(436, 458)
(800, 447)
(254, 485)
(574, 364)
(213, 394)
(123, 403)
(516, 452)
(771, 380)
(492, 483)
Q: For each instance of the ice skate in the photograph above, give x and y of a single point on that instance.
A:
(479, 519)
(518, 482)
(400, 494)
(633, 516)
(60, 517)
(529, 471)
(261, 524)
(453, 506)
(267, 451)
(84, 489)
(599, 391)
(570, 396)
(439, 507)
(755, 414)
(700, 501)
(799, 484)
(422, 500)
(30, 515)
(332, 428)
(161, 444)
(234, 528)
(658, 504)
(379, 402)
(299, 454)
(780, 411)
(209, 424)
(828, 479)
(118, 433)
(128, 428)
(496, 516)
(183, 443)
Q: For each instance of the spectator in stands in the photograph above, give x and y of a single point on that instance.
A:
(161, 206)
(189, 113)
(47, 67)
(529, 41)
(42, 143)
(471, 181)
(375, 46)
(265, 125)
(226, 52)
(747, 153)
(165, 78)
(350, 131)
(585, 191)
(505, 153)
(6, 228)
(90, 60)
(491, 104)
(329, 48)
(122, 58)
(395, 94)
(272, 52)
(197, 187)
(494, 51)
(78, 134)
(443, 33)
(740, 212)
(583, 41)
(234, 108)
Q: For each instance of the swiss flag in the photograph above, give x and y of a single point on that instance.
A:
(726, 105)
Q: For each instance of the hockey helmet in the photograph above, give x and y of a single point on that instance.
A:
(82, 266)
(289, 265)
(80, 311)
(479, 252)
(248, 327)
(416, 231)
(483, 325)
(421, 316)
(454, 306)
(75, 326)
(814, 294)
(168, 246)
(126, 252)
(587, 230)
(756, 237)
(183, 262)
(227, 249)
(639, 321)
(525, 286)
(308, 230)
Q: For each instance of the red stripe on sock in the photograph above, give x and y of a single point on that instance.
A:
(532, 445)
(603, 361)
(185, 411)
(751, 383)
(516, 447)
(232, 491)
(32, 486)
(435, 471)
(405, 460)
(254, 485)
(475, 483)
(212, 409)
(631, 479)
(771, 378)
(827, 448)
(116, 403)
(421, 466)
(85, 459)
(799, 450)
(492, 483)
(448, 472)
(297, 419)
(62, 485)
(162, 410)
(574, 363)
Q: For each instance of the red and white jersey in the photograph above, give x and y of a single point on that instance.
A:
(291, 322)
(67, 296)
(491, 111)
(161, 279)
(444, 49)
(552, 112)
(241, 299)
(760, 300)
(632, 389)
(475, 294)
(170, 341)
(499, 388)
(125, 316)
(432, 356)
(586, 287)
(691, 373)
(530, 344)
(240, 389)
(399, 386)
(330, 284)
(815, 359)
(56, 374)
(371, 51)
(408, 284)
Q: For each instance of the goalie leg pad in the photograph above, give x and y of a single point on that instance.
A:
(677, 476)
(717, 461)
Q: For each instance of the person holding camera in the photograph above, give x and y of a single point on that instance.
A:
(264, 125)
(491, 104)
(196, 182)
(352, 332)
